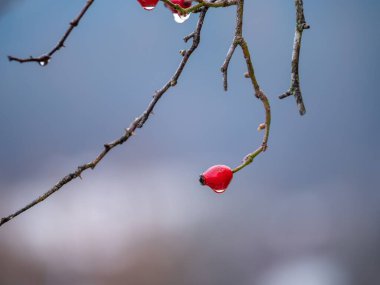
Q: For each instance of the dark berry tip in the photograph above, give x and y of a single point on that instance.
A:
(202, 179)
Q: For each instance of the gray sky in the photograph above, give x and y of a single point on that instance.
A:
(320, 170)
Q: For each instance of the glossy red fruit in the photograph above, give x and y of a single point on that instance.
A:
(217, 177)
(148, 4)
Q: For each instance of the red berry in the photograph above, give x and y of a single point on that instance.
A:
(217, 177)
(148, 4)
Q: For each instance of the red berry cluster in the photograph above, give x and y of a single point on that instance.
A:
(151, 4)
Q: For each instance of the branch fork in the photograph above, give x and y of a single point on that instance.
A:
(295, 88)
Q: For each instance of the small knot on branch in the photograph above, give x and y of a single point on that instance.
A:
(248, 158)
(4, 220)
(261, 127)
(140, 121)
(74, 23)
(81, 169)
(260, 95)
(303, 26)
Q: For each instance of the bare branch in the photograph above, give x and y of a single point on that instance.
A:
(295, 88)
(137, 123)
(43, 60)
(240, 41)
(226, 63)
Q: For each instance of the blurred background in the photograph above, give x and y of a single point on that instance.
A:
(304, 213)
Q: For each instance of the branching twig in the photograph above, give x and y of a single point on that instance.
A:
(137, 123)
(240, 41)
(295, 88)
(43, 60)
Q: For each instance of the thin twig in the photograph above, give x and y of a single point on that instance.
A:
(248, 159)
(234, 44)
(240, 41)
(43, 60)
(226, 63)
(295, 88)
(137, 123)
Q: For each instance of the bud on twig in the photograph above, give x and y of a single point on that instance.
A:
(261, 127)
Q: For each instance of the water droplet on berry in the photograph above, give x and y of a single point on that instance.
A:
(220, 191)
(180, 19)
(148, 4)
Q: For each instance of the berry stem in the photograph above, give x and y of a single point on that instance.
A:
(240, 41)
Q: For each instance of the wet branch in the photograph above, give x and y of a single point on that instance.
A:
(43, 60)
(129, 132)
(295, 88)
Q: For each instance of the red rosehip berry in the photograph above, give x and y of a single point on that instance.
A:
(184, 4)
(217, 177)
(148, 4)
